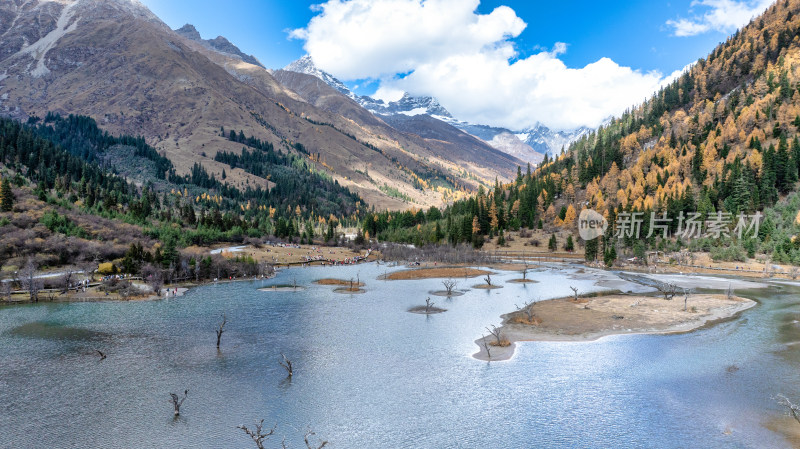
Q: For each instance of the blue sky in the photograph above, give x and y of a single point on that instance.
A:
(651, 39)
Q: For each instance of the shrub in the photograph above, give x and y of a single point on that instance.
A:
(107, 268)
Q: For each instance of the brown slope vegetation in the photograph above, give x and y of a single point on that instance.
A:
(115, 61)
(24, 235)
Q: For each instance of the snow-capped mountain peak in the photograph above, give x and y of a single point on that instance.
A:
(529, 144)
(545, 140)
(406, 105)
(306, 65)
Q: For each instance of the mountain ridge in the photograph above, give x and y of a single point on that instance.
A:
(219, 43)
(117, 62)
(537, 141)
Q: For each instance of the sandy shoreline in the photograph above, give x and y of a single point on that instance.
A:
(590, 319)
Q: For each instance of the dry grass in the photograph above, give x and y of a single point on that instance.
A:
(278, 255)
(331, 281)
(502, 343)
(432, 273)
(521, 318)
(623, 313)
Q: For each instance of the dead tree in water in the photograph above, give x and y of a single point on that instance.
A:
(488, 279)
(449, 285)
(287, 365)
(574, 292)
(730, 293)
(497, 334)
(428, 305)
(177, 402)
(102, 355)
(310, 433)
(525, 270)
(258, 436)
(486, 347)
(221, 329)
(794, 409)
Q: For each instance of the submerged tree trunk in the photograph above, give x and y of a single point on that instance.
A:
(221, 329)
(177, 402)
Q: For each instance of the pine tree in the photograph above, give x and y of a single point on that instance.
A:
(6, 196)
(590, 253)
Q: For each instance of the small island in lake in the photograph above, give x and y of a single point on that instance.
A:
(590, 318)
(344, 286)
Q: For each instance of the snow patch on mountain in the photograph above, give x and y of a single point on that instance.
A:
(415, 111)
(545, 140)
(38, 50)
(306, 65)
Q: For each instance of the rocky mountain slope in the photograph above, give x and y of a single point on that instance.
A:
(117, 62)
(219, 44)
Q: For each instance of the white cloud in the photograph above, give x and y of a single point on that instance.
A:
(724, 16)
(445, 49)
(388, 93)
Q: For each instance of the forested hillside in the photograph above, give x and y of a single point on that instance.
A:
(723, 137)
(66, 196)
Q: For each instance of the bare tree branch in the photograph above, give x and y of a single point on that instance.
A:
(497, 333)
(287, 365)
(221, 329)
(309, 445)
(485, 346)
(686, 293)
(177, 401)
(29, 281)
(449, 285)
(667, 289)
(258, 435)
(794, 409)
(527, 309)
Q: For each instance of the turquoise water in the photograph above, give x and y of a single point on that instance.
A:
(369, 374)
